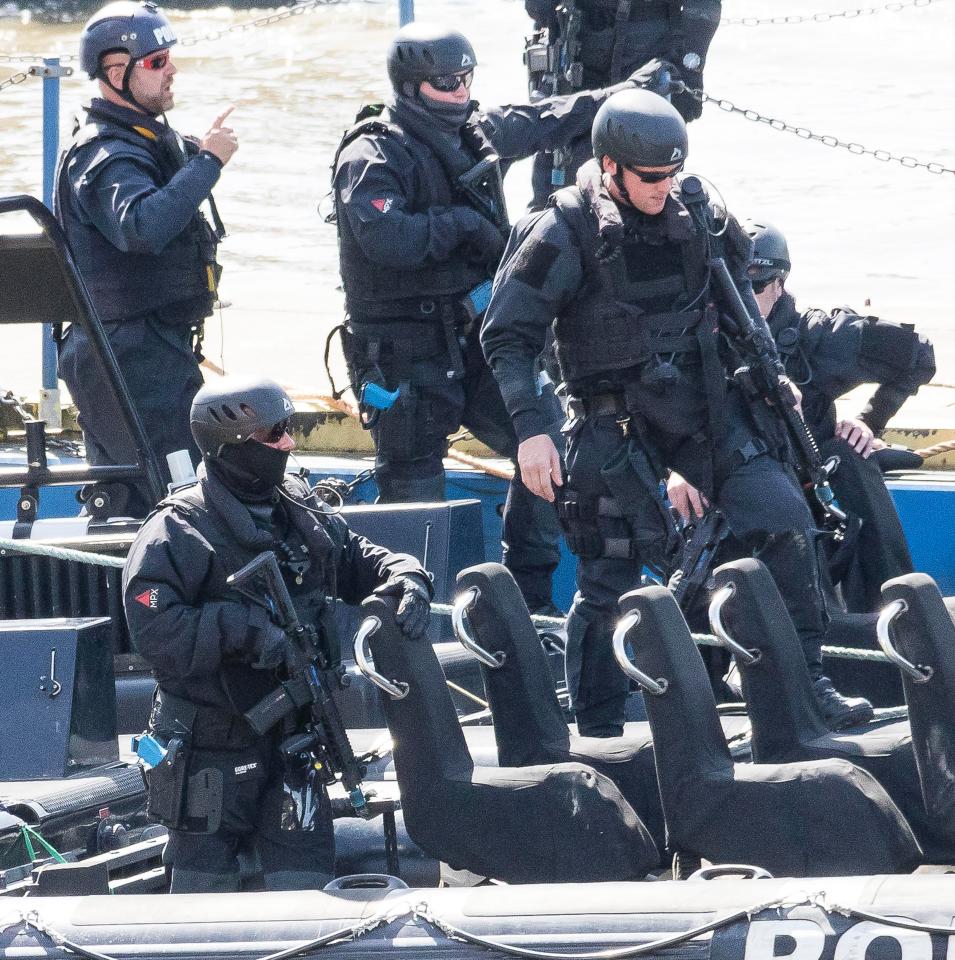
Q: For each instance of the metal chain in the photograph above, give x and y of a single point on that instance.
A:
(15, 79)
(727, 106)
(294, 11)
(783, 19)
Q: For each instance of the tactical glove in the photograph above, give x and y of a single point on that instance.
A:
(690, 108)
(657, 76)
(411, 598)
(272, 649)
(482, 237)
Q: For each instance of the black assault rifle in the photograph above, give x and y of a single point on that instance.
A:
(309, 685)
(763, 378)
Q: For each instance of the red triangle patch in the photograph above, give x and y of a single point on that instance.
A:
(379, 205)
(147, 598)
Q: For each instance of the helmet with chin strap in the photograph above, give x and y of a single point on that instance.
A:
(770, 259)
(230, 410)
(126, 26)
(421, 50)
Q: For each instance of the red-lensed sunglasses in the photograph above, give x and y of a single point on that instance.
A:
(154, 61)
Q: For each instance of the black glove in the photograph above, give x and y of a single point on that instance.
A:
(690, 108)
(657, 76)
(482, 237)
(411, 599)
(272, 649)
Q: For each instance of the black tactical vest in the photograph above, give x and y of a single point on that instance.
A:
(124, 284)
(310, 588)
(374, 290)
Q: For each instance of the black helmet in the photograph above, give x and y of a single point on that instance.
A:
(135, 28)
(637, 128)
(770, 252)
(230, 410)
(422, 50)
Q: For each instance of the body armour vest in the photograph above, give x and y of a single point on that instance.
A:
(123, 284)
(641, 322)
(377, 290)
(309, 574)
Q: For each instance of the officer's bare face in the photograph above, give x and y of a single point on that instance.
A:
(646, 197)
(151, 82)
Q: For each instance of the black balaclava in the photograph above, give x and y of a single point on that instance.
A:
(250, 470)
(436, 115)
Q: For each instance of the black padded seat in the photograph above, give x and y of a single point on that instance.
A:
(559, 822)
(529, 725)
(787, 722)
(925, 636)
(812, 818)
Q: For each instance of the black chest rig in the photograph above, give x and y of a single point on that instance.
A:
(304, 544)
(641, 325)
(441, 178)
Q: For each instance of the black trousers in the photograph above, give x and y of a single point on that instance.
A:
(766, 510)
(262, 813)
(162, 374)
(411, 442)
(881, 551)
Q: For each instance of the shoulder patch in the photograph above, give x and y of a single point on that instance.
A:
(149, 598)
(532, 262)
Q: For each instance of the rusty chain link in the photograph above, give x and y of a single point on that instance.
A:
(804, 133)
(824, 17)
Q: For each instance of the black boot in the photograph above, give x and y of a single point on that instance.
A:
(840, 711)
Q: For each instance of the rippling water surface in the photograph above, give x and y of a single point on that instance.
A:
(859, 229)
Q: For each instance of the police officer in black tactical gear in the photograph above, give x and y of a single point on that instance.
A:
(827, 355)
(421, 226)
(595, 43)
(215, 653)
(619, 264)
(128, 193)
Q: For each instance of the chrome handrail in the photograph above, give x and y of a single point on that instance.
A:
(920, 674)
(459, 611)
(749, 657)
(626, 624)
(396, 689)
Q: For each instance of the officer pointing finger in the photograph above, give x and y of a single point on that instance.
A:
(128, 194)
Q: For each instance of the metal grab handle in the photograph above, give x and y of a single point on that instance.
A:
(887, 615)
(459, 611)
(744, 870)
(396, 689)
(749, 657)
(626, 624)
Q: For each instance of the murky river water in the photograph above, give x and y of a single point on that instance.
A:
(858, 229)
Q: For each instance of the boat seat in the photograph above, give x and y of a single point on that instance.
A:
(559, 822)
(529, 724)
(787, 722)
(924, 636)
(805, 819)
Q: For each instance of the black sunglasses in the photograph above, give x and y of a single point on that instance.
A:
(450, 82)
(276, 432)
(647, 177)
